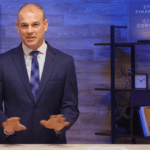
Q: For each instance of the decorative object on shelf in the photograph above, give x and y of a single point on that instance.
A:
(105, 100)
(141, 81)
(126, 73)
(127, 83)
(122, 113)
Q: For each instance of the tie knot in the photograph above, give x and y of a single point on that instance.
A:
(34, 53)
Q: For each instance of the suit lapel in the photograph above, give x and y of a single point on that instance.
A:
(19, 61)
(49, 65)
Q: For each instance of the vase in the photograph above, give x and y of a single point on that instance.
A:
(127, 83)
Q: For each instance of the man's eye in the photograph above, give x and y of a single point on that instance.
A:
(24, 25)
(35, 24)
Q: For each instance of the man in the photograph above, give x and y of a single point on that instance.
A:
(37, 84)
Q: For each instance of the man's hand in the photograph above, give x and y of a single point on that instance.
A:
(13, 124)
(55, 122)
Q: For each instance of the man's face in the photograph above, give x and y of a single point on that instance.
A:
(31, 27)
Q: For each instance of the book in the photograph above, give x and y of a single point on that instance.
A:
(142, 123)
(144, 113)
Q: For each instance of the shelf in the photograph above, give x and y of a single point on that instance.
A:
(122, 44)
(103, 89)
(119, 135)
(119, 90)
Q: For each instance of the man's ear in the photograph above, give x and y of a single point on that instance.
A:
(45, 24)
(17, 25)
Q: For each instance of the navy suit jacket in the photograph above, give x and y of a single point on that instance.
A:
(57, 94)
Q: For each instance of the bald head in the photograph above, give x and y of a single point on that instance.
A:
(32, 25)
(31, 8)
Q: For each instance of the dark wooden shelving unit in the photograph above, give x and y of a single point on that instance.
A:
(125, 136)
(122, 44)
(113, 90)
(120, 90)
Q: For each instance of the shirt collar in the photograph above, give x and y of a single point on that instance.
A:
(41, 49)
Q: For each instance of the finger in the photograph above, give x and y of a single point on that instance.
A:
(43, 122)
(46, 124)
(59, 117)
(17, 118)
(61, 120)
(13, 119)
(4, 124)
(20, 127)
(60, 126)
(53, 116)
(66, 123)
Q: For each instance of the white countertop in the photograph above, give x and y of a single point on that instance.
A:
(74, 147)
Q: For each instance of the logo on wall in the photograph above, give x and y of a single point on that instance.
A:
(139, 21)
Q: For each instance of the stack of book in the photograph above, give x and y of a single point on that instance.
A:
(144, 113)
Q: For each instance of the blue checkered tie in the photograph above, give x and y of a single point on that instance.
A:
(34, 79)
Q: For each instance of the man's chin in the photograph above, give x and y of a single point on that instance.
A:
(31, 46)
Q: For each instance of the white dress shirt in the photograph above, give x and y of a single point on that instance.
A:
(40, 58)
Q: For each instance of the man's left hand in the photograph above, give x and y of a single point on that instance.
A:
(56, 122)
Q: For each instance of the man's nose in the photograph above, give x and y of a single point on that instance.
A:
(30, 30)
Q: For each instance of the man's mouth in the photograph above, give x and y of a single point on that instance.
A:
(30, 37)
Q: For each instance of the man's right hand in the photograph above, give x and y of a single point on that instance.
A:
(13, 124)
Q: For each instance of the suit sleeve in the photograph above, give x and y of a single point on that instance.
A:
(69, 107)
(3, 117)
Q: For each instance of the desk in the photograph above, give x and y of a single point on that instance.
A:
(75, 147)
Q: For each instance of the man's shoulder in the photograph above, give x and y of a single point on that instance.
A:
(62, 54)
(59, 53)
(8, 53)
